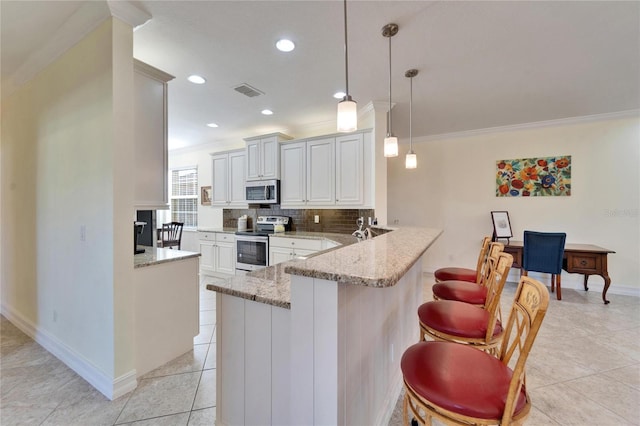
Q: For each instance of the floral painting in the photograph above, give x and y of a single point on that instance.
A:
(534, 177)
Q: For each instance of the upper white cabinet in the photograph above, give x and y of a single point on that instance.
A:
(327, 172)
(228, 173)
(349, 169)
(263, 156)
(150, 133)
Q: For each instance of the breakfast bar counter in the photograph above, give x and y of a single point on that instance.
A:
(318, 340)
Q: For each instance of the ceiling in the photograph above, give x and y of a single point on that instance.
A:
(481, 64)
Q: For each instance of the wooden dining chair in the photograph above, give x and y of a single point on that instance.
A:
(465, 291)
(543, 252)
(458, 384)
(461, 322)
(171, 235)
(465, 274)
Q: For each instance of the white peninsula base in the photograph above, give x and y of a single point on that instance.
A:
(333, 358)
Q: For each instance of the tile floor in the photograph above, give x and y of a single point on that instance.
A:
(584, 368)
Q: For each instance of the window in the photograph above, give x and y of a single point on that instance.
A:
(184, 196)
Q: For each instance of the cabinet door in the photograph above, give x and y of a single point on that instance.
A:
(150, 148)
(226, 258)
(237, 164)
(253, 160)
(207, 256)
(293, 183)
(321, 172)
(220, 187)
(270, 158)
(349, 170)
(279, 255)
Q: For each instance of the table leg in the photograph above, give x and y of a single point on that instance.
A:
(607, 283)
(586, 277)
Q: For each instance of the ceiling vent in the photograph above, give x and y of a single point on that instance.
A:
(247, 90)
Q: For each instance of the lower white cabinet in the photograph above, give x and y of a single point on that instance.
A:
(282, 249)
(218, 253)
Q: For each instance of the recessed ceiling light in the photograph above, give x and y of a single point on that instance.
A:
(212, 125)
(339, 95)
(285, 45)
(196, 79)
(267, 112)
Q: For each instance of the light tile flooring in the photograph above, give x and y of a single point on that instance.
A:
(584, 369)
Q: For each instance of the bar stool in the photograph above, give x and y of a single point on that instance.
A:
(465, 274)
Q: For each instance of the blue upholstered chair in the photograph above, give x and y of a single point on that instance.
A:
(543, 252)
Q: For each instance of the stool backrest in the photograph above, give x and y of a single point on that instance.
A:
(527, 312)
(495, 284)
(493, 251)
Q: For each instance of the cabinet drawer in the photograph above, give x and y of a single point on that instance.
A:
(584, 263)
(207, 236)
(224, 237)
(298, 243)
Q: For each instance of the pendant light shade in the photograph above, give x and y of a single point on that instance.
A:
(390, 142)
(347, 115)
(411, 160)
(347, 107)
(390, 146)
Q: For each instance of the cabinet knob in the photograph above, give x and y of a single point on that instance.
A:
(583, 262)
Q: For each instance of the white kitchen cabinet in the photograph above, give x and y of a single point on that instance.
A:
(150, 137)
(308, 174)
(327, 172)
(217, 253)
(321, 172)
(228, 175)
(263, 156)
(349, 172)
(293, 186)
(282, 249)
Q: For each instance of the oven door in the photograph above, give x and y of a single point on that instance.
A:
(252, 252)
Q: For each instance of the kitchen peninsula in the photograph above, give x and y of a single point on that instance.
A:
(319, 340)
(166, 301)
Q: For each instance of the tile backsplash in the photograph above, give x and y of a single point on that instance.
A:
(341, 221)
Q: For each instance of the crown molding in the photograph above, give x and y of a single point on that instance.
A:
(128, 13)
(632, 113)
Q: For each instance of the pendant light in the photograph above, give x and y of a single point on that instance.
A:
(347, 107)
(390, 142)
(411, 161)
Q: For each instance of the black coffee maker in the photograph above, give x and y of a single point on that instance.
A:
(138, 227)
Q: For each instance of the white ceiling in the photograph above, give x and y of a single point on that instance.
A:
(482, 64)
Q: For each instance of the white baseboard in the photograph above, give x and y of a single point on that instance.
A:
(111, 388)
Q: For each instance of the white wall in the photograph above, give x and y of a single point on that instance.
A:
(453, 188)
(66, 148)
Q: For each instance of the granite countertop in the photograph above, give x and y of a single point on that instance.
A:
(154, 256)
(378, 262)
(226, 230)
(342, 239)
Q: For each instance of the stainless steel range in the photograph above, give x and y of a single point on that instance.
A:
(252, 247)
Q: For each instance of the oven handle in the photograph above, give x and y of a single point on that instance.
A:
(255, 239)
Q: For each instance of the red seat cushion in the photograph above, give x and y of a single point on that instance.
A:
(459, 378)
(457, 319)
(462, 274)
(462, 291)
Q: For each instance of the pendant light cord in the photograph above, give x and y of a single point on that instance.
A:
(410, 114)
(389, 132)
(346, 51)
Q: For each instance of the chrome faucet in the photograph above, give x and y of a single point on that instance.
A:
(360, 233)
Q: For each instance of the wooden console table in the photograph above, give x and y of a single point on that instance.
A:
(584, 259)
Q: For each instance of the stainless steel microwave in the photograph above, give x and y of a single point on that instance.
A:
(263, 191)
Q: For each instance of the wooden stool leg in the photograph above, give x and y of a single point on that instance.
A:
(553, 283)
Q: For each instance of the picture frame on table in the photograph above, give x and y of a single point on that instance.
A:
(501, 225)
(205, 195)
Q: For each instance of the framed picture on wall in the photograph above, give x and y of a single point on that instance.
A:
(501, 225)
(205, 195)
